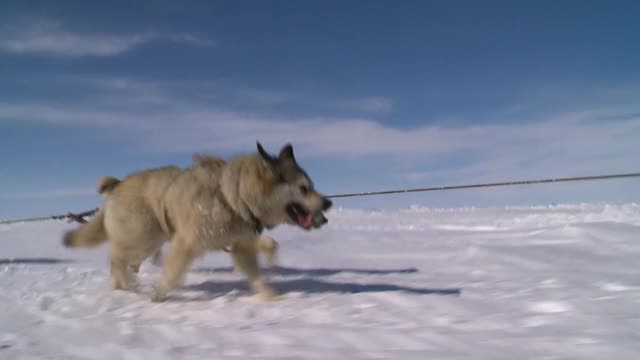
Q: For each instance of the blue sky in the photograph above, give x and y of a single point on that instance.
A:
(373, 95)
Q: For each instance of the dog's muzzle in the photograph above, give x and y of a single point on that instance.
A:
(318, 218)
(326, 204)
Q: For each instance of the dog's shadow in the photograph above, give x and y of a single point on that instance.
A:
(290, 271)
(33, 261)
(310, 285)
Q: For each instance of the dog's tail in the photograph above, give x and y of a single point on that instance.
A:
(106, 184)
(90, 234)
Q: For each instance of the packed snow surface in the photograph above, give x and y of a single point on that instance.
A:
(556, 282)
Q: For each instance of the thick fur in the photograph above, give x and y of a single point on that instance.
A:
(213, 205)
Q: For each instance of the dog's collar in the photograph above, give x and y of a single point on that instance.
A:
(257, 225)
(253, 221)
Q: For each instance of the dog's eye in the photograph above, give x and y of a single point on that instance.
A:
(304, 190)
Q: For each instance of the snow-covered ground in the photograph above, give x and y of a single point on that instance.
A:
(559, 282)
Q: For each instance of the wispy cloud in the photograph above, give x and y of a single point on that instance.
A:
(369, 105)
(46, 37)
(373, 104)
(594, 139)
(262, 97)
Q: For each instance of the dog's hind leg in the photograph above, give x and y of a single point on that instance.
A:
(154, 251)
(122, 276)
(246, 260)
(175, 265)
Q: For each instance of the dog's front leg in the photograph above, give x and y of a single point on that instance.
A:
(269, 247)
(175, 265)
(246, 260)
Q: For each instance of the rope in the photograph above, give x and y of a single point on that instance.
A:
(79, 217)
(508, 183)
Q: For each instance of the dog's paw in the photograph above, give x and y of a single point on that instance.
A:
(268, 294)
(271, 297)
(158, 297)
(159, 293)
(117, 284)
(263, 291)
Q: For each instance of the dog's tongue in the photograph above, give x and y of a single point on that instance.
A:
(305, 220)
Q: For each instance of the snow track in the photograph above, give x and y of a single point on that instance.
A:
(558, 282)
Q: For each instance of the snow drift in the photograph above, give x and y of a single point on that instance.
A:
(556, 282)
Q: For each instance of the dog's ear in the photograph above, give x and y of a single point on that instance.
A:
(197, 159)
(287, 153)
(267, 159)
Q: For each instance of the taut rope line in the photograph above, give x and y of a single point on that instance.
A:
(496, 184)
(79, 217)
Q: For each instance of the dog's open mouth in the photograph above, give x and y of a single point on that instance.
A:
(300, 215)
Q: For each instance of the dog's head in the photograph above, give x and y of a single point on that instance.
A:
(291, 197)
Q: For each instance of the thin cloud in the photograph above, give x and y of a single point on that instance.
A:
(567, 143)
(180, 126)
(268, 98)
(49, 38)
(373, 104)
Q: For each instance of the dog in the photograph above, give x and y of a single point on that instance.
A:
(213, 205)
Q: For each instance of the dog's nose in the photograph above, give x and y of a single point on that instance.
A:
(326, 204)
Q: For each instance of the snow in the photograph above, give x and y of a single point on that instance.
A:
(547, 282)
